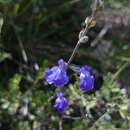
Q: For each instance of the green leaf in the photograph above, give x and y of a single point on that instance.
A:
(1, 23)
(4, 55)
(14, 83)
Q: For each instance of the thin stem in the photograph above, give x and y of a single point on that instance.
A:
(77, 45)
(24, 55)
(73, 118)
(85, 31)
(73, 53)
(120, 70)
(60, 123)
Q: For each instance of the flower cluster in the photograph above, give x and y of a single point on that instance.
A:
(57, 75)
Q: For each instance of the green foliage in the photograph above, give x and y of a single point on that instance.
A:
(5, 1)
(115, 102)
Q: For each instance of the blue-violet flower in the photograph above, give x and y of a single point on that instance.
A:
(86, 79)
(61, 102)
(57, 74)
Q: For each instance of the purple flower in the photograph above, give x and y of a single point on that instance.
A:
(86, 79)
(57, 74)
(61, 103)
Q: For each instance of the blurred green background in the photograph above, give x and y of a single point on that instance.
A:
(34, 34)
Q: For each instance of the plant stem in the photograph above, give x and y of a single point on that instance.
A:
(85, 31)
(73, 53)
(60, 123)
(77, 45)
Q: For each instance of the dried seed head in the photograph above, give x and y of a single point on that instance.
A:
(89, 22)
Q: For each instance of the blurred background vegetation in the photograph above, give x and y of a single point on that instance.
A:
(34, 34)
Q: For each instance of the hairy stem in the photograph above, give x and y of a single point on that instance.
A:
(73, 53)
(85, 31)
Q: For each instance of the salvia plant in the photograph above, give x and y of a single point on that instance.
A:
(58, 76)
(74, 97)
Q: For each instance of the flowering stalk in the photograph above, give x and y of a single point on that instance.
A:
(82, 36)
(57, 75)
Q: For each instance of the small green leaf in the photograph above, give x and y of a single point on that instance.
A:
(16, 8)
(1, 23)
(14, 83)
(4, 55)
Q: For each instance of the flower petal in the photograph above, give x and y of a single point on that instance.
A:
(61, 64)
